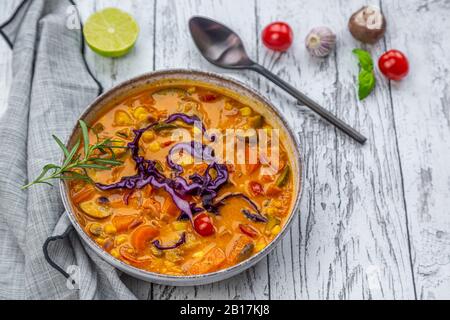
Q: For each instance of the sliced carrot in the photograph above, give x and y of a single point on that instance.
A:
(142, 235)
(273, 191)
(211, 261)
(267, 178)
(250, 168)
(147, 190)
(122, 223)
(170, 208)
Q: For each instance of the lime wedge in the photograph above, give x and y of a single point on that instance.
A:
(111, 32)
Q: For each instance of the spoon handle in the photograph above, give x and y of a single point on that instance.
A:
(309, 103)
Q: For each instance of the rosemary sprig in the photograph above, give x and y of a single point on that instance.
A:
(75, 164)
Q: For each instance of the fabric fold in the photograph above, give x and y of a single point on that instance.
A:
(50, 87)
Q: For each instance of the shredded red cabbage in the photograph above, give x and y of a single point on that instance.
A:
(191, 120)
(256, 217)
(201, 185)
(182, 240)
(147, 173)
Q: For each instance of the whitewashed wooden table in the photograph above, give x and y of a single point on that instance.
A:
(375, 219)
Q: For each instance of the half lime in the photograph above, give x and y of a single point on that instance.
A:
(111, 32)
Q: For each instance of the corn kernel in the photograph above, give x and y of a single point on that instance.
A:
(245, 111)
(277, 204)
(228, 105)
(96, 229)
(169, 264)
(148, 136)
(154, 146)
(197, 131)
(122, 118)
(272, 211)
(198, 254)
(139, 111)
(115, 253)
(121, 239)
(185, 160)
(190, 90)
(179, 225)
(110, 229)
(100, 241)
(119, 151)
(276, 230)
(259, 246)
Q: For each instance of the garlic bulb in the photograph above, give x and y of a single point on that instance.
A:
(320, 41)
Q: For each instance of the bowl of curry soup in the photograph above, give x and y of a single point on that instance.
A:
(209, 180)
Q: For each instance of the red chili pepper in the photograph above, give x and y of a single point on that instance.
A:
(248, 230)
(167, 143)
(257, 188)
(207, 97)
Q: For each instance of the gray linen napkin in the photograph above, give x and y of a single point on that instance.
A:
(51, 86)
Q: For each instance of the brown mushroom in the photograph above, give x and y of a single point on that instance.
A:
(367, 24)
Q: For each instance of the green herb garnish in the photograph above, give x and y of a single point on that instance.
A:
(75, 164)
(366, 77)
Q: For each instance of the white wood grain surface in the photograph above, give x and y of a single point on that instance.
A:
(375, 219)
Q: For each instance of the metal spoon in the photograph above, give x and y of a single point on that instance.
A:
(224, 48)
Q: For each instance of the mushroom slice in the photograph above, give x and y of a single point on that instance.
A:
(367, 24)
(129, 254)
(95, 210)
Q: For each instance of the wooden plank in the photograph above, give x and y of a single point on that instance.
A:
(174, 48)
(6, 9)
(422, 117)
(352, 238)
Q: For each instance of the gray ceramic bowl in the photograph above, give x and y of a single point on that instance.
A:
(140, 83)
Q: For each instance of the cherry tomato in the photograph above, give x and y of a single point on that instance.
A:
(203, 225)
(256, 188)
(166, 143)
(277, 36)
(394, 65)
(248, 230)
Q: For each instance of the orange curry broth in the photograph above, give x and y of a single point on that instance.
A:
(126, 231)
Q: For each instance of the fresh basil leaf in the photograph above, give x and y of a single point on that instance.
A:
(366, 83)
(365, 60)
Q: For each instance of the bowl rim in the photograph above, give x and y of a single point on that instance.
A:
(200, 279)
